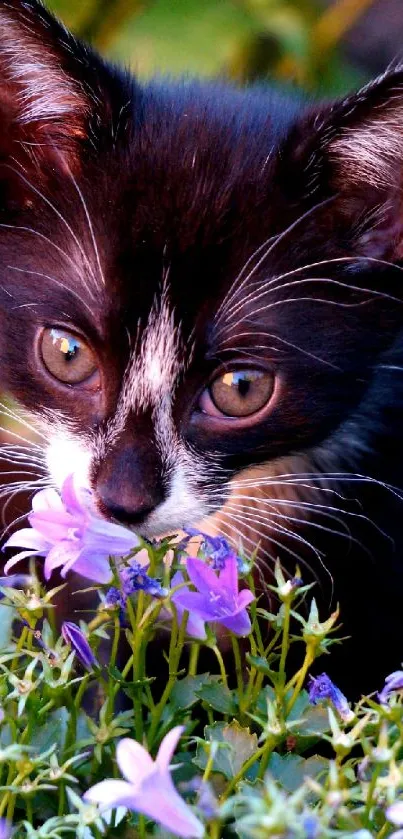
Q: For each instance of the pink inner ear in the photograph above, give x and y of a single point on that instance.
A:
(42, 105)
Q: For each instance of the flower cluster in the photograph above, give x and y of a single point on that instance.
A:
(73, 715)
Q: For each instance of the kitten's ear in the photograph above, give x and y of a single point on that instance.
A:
(354, 150)
(48, 86)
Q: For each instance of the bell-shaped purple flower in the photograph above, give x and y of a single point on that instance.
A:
(78, 642)
(148, 787)
(71, 535)
(322, 688)
(196, 626)
(217, 598)
(392, 682)
(6, 830)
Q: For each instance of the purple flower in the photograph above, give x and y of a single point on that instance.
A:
(217, 597)
(148, 787)
(392, 682)
(76, 639)
(394, 813)
(322, 688)
(69, 533)
(217, 550)
(115, 597)
(6, 830)
(195, 625)
(134, 578)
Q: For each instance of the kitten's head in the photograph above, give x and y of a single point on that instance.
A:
(194, 280)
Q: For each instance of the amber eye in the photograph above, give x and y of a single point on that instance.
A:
(240, 393)
(67, 356)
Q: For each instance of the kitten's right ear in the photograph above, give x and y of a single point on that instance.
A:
(351, 151)
(50, 87)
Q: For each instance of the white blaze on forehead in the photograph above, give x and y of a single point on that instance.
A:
(151, 374)
(155, 366)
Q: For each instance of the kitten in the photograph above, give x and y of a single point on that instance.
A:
(201, 306)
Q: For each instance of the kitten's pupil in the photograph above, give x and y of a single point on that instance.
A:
(67, 344)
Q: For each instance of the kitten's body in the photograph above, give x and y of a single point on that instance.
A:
(183, 230)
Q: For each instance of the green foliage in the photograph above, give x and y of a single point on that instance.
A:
(257, 758)
(288, 40)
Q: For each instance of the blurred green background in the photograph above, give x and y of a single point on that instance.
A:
(324, 45)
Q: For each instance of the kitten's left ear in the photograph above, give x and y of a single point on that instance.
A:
(353, 150)
(53, 89)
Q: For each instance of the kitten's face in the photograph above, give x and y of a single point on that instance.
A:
(193, 280)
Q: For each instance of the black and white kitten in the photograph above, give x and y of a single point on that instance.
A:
(201, 303)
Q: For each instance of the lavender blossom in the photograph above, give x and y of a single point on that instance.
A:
(217, 598)
(392, 682)
(6, 830)
(115, 597)
(195, 626)
(76, 639)
(394, 813)
(321, 688)
(148, 787)
(134, 578)
(217, 550)
(67, 531)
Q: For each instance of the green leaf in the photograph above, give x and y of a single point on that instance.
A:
(218, 696)
(290, 770)
(184, 693)
(53, 732)
(6, 626)
(235, 745)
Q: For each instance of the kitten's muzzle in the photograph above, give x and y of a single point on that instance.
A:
(128, 486)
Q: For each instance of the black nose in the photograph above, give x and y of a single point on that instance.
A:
(128, 485)
(134, 515)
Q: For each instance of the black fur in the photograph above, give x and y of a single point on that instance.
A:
(198, 176)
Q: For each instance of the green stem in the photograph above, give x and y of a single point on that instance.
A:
(193, 659)
(285, 641)
(112, 663)
(370, 796)
(238, 671)
(137, 659)
(242, 772)
(175, 653)
(300, 677)
(220, 664)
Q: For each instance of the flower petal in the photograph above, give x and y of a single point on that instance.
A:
(47, 499)
(197, 604)
(62, 553)
(394, 813)
(168, 746)
(228, 577)
(71, 497)
(18, 557)
(160, 801)
(239, 623)
(94, 566)
(202, 576)
(54, 525)
(110, 794)
(196, 627)
(27, 538)
(244, 598)
(134, 761)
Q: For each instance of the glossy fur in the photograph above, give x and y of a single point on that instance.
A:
(182, 227)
